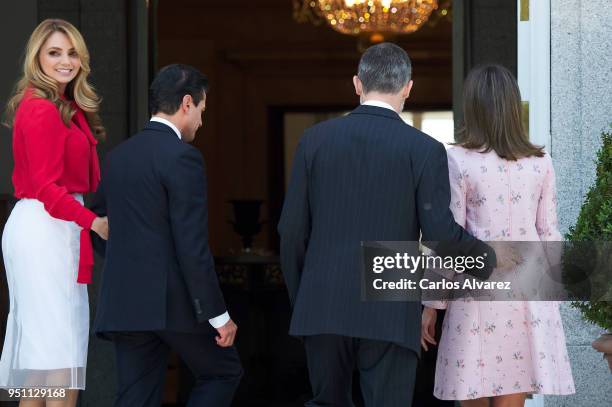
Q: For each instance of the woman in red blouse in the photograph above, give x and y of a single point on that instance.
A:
(46, 243)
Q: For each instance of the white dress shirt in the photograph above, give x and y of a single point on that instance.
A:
(167, 123)
(216, 322)
(378, 103)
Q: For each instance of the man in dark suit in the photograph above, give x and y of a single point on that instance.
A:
(363, 177)
(159, 289)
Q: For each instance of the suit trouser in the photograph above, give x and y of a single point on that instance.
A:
(142, 360)
(386, 371)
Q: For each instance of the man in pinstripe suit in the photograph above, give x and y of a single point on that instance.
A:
(366, 176)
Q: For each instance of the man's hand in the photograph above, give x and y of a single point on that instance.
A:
(227, 334)
(508, 256)
(100, 226)
(428, 327)
(604, 344)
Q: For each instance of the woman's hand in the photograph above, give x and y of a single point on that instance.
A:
(428, 327)
(100, 226)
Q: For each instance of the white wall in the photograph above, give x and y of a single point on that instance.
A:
(581, 107)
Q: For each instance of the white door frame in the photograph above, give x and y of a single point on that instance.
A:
(533, 62)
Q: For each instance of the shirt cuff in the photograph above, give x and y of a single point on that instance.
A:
(218, 322)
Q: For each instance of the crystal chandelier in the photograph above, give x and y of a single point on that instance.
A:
(374, 18)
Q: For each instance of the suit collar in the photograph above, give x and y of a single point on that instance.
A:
(379, 103)
(167, 123)
(161, 127)
(376, 111)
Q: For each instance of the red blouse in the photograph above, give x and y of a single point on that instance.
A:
(52, 162)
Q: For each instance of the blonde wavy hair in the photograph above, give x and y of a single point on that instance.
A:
(79, 89)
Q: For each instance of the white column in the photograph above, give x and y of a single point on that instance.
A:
(534, 66)
(534, 81)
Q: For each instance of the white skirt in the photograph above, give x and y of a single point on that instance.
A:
(48, 323)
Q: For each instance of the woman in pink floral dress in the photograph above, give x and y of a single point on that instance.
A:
(503, 188)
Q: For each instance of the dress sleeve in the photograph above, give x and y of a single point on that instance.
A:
(458, 189)
(546, 217)
(44, 135)
(458, 207)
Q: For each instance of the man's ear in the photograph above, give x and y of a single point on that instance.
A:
(406, 90)
(187, 101)
(358, 85)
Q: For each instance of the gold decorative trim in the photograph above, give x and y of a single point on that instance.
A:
(524, 10)
(525, 116)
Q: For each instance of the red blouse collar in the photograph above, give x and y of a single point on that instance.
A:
(79, 115)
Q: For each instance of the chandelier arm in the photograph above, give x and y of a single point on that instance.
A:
(364, 17)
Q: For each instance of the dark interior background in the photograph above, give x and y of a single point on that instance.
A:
(261, 64)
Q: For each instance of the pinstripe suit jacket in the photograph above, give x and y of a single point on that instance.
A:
(365, 176)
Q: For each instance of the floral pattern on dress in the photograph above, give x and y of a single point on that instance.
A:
(494, 348)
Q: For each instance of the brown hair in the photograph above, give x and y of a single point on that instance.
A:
(492, 115)
(79, 89)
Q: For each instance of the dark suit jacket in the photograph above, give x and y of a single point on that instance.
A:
(366, 176)
(159, 273)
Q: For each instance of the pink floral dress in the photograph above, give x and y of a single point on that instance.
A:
(491, 348)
